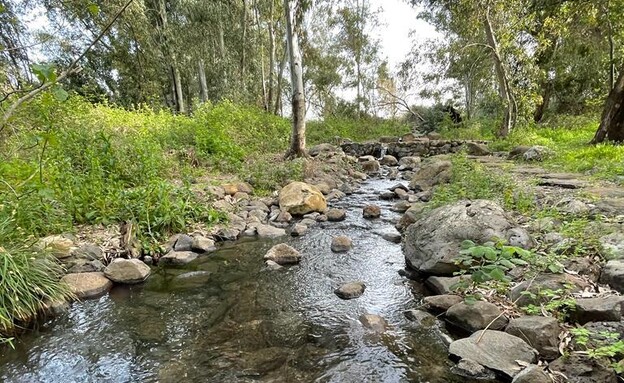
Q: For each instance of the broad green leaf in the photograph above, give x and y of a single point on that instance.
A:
(490, 254)
(508, 264)
(497, 274)
(519, 261)
(59, 93)
(467, 244)
(44, 72)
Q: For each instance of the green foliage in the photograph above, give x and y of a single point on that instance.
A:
(28, 280)
(471, 180)
(268, 173)
(489, 262)
(558, 303)
(603, 345)
(359, 130)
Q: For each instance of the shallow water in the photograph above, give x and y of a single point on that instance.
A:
(232, 320)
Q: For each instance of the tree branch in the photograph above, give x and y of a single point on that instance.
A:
(72, 68)
(402, 102)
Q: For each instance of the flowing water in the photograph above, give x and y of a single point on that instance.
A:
(226, 318)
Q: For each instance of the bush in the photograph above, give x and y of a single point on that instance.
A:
(330, 129)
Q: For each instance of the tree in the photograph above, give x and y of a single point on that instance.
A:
(612, 121)
(298, 137)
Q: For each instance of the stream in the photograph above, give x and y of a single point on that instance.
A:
(227, 318)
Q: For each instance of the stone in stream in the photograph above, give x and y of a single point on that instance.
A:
(85, 266)
(299, 198)
(472, 370)
(541, 333)
(268, 231)
(272, 265)
(335, 215)
(298, 230)
(477, 316)
(371, 211)
(370, 167)
(444, 285)
(127, 271)
(409, 163)
(495, 350)
(441, 303)
(422, 318)
(178, 257)
(203, 245)
(87, 285)
(433, 241)
(401, 207)
(583, 369)
(350, 290)
(283, 254)
(387, 195)
(374, 322)
(389, 160)
(393, 173)
(182, 242)
(432, 172)
(341, 244)
(398, 186)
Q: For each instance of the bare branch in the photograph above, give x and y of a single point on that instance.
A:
(401, 102)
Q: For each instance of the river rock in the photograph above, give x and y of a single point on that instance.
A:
(88, 251)
(371, 211)
(341, 244)
(387, 195)
(441, 303)
(335, 215)
(403, 194)
(495, 350)
(283, 254)
(389, 160)
(283, 216)
(393, 173)
(613, 274)
(272, 265)
(374, 322)
(203, 245)
(85, 266)
(431, 173)
(583, 369)
(541, 333)
(443, 285)
(477, 316)
(432, 242)
(60, 246)
(412, 215)
(335, 195)
(472, 370)
(298, 230)
(268, 231)
(299, 198)
(532, 374)
(536, 153)
(544, 282)
(477, 149)
(422, 318)
(370, 167)
(87, 285)
(613, 245)
(401, 207)
(598, 309)
(181, 242)
(178, 257)
(409, 163)
(127, 271)
(350, 290)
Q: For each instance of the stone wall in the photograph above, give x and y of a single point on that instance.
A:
(422, 147)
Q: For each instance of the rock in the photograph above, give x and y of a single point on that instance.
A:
(477, 316)
(127, 271)
(613, 275)
(434, 136)
(397, 187)
(477, 149)
(583, 369)
(85, 266)
(584, 266)
(271, 265)
(431, 173)
(393, 173)
(422, 318)
(410, 216)
(283, 254)
(537, 153)
(387, 195)
(227, 234)
(323, 149)
(241, 196)
(350, 290)
(181, 242)
(335, 195)
(215, 191)
(394, 237)
(147, 259)
(366, 158)
(613, 245)
(388, 160)
(541, 333)
(371, 211)
(87, 285)
(88, 251)
(267, 231)
(203, 245)
(441, 303)
(402, 194)
(178, 257)
(335, 215)
(374, 322)
(283, 216)
(370, 167)
(517, 152)
(298, 230)
(409, 163)
(240, 187)
(56, 308)
(401, 207)
(299, 198)
(495, 350)
(544, 282)
(572, 206)
(432, 242)
(341, 244)
(472, 370)
(323, 187)
(532, 374)
(443, 285)
(598, 309)
(59, 246)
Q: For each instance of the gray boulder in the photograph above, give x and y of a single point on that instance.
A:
(283, 254)
(409, 163)
(335, 215)
(371, 211)
(268, 231)
(477, 149)
(350, 290)
(127, 271)
(431, 173)
(389, 160)
(598, 309)
(537, 153)
(432, 243)
(532, 374)
(341, 244)
(541, 333)
(441, 303)
(178, 257)
(613, 275)
(87, 285)
(477, 316)
(583, 369)
(374, 322)
(495, 350)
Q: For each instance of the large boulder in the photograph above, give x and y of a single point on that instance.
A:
(87, 285)
(431, 173)
(432, 243)
(128, 271)
(541, 333)
(495, 350)
(299, 198)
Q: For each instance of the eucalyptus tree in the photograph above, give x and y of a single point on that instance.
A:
(298, 137)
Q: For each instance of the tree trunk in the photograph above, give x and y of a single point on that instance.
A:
(223, 59)
(203, 86)
(265, 102)
(271, 78)
(547, 88)
(509, 102)
(298, 139)
(243, 46)
(177, 83)
(278, 87)
(612, 121)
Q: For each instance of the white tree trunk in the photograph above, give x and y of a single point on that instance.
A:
(203, 86)
(297, 143)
